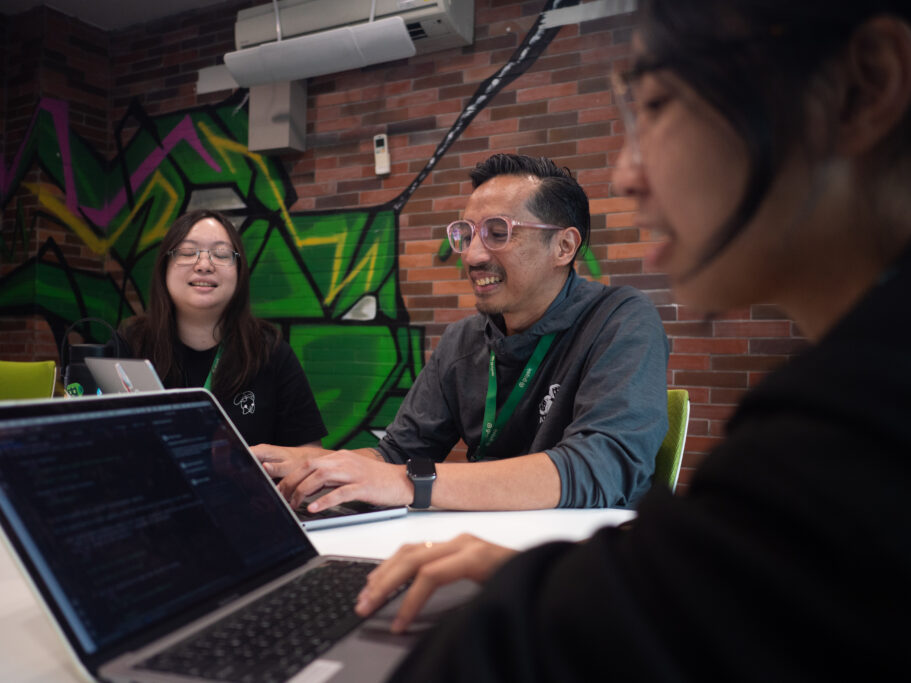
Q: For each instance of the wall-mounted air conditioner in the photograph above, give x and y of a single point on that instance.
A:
(432, 24)
(294, 39)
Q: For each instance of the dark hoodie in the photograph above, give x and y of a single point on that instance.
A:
(597, 405)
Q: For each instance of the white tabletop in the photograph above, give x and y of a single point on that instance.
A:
(519, 530)
(31, 652)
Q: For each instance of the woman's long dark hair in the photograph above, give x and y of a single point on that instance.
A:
(755, 61)
(246, 341)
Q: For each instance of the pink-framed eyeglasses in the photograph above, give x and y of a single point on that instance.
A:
(495, 231)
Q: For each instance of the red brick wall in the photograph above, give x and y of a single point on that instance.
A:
(46, 54)
(561, 108)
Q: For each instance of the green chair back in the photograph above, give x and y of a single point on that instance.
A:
(19, 380)
(670, 455)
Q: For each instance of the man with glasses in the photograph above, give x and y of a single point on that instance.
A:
(557, 387)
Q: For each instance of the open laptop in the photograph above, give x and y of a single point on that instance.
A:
(123, 375)
(149, 531)
(129, 375)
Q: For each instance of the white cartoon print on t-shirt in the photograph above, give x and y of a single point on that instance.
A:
(247, 402)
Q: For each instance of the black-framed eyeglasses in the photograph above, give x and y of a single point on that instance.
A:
(495, 231)
(188, 256)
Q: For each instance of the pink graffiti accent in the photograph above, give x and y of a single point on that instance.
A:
(59, 111)
(183, 131)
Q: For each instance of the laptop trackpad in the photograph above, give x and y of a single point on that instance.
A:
(372, 652)
(445, 600)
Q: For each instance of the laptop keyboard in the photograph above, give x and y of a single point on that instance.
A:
(274, 637)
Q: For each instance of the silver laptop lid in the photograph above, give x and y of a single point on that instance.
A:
(124, 375)
(136, 513)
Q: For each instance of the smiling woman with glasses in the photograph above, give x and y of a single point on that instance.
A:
(198, 331)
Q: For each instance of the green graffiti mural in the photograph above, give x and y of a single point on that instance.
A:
(328, 280)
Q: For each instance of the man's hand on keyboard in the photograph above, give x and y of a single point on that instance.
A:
(279, 460)
(351, 476)
(430, 565)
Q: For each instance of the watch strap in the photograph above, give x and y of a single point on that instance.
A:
(422, 480)
(423, 488)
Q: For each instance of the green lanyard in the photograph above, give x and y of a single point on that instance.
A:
(208, 385)
(492, 427)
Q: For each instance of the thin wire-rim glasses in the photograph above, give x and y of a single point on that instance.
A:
(189, 256)
(622, 81)
(626, 104)
(495, 232)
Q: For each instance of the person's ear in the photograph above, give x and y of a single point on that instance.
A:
(878, 74)
(566, 244)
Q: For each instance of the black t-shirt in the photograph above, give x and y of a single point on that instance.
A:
(276, 407)
(196, 364)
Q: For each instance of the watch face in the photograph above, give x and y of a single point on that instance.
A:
(422, 468)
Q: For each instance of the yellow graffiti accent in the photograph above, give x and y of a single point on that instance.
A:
(158, 230)
(225, 145)
(49, 199)
(45, 193)
(368, 262)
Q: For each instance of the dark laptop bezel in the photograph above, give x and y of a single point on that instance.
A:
(94, 660)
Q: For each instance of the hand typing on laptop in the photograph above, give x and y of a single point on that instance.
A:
(364, 475)
(353, 475)
(285, 458)
(430, 566)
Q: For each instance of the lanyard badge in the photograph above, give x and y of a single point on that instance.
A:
(493, 421)
(208, 385)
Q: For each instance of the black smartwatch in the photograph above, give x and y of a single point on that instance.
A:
(422, 472)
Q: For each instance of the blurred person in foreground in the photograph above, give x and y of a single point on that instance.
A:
(770, 142)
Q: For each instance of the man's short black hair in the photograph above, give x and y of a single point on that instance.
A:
(559, 200)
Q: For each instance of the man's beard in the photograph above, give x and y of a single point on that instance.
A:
(488, 308)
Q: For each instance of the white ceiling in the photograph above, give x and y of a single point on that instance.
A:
(110, 15)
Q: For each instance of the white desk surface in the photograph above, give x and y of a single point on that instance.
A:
(519, 530)
(31, 652)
